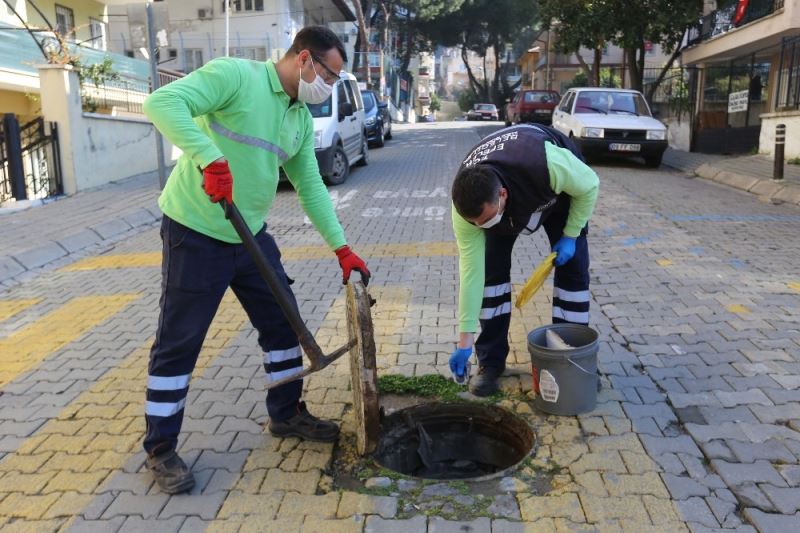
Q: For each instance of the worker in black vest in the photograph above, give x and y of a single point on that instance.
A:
(515, 181)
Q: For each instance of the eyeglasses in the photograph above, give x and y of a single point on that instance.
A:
(330, 77)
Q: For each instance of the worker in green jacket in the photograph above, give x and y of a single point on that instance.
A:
(237, 122)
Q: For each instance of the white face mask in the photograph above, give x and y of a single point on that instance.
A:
(495, 220)
(315, 92)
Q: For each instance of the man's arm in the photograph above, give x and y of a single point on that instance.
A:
(172, 107)
(471, 266)
(571, 175)
(303, 172)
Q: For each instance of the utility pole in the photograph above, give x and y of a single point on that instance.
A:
(152, 50)
(228, 28)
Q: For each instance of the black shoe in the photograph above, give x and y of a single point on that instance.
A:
(485, 383)
(171, 473)
(306, 426)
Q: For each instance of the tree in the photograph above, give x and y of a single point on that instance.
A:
(484, 26)
(581, 24)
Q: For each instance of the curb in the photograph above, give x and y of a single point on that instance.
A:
(768, 190)
(16, 264)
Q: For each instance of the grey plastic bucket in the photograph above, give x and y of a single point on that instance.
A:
(565, 381)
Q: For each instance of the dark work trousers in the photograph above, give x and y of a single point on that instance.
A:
(570, 287)
(196, 271)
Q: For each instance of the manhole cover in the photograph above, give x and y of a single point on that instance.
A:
(453, 441)
(363, 369)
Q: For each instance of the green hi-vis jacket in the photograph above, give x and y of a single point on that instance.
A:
(237, 109)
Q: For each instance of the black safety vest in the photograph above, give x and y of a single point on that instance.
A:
(517, 156)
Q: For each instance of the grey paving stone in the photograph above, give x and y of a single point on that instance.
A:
(679, 399)
(137, 483)
(437, 524)
(126, 504)
(749, 397)
(724, 511)
(751, 495)
(699, 528)
(230, 461)
(81, 525)
(135, 524)
(771, 450)
(661, 445)
(695, 510)
(682, 487)
(791, 473)
(720, 415)
(79, 240)
(10, 268)
(786, 500)
(739, 474)
(704, 433)
(657, 411)
(43, 253)
(139, 217)
(505, 505)
(193, 524)
(772, 523)
(110, 228)
(506, 526)
(205, 506)
(376, 524)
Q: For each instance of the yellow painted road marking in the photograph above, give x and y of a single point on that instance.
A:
(95, 435)
(664, 262)
(23, 350)
(9, 308)
(795, 286)
(289, 253)
(737, 308)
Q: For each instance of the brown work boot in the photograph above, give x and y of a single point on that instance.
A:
(170, 472)
(305, 426)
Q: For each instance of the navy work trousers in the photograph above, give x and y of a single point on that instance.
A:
(196, 271)
(570, 287)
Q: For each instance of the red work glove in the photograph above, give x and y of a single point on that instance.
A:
(218, 181)
(349, 261)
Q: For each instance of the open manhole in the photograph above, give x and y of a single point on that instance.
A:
(445, 441)
(450, 441)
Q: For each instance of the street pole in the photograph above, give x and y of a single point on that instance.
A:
(780, 141)
(153, 48)
(227, 28)
(547, 57)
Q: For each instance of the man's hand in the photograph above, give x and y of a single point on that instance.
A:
(459, 363)
(565, 248)
(349, 261)
(218, 181)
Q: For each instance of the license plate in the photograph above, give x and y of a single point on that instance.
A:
(543, 111)
(623, 147)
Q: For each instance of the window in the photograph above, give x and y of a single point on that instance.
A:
(566, 107)
(173, 54)
(256, 53)
(192, 59)
(97, 30)
(544, 97)
(238, 6)
(65, 21)
(341, 93)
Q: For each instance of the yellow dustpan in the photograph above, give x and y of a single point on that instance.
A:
(536, 281)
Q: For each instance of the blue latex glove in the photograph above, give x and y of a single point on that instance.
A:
(459, 363)
(565, 248)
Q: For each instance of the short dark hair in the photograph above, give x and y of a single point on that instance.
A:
(318, 40)
(473, 187)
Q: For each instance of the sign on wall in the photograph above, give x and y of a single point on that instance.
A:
(738, 101)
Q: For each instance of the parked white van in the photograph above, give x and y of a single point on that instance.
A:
(340, 136)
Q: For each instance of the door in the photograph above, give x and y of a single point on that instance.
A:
(562, 116)
(350, 127)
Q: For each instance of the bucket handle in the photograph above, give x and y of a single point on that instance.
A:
(580, 367)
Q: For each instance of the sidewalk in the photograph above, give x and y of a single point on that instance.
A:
(69, 225)
(752, 173)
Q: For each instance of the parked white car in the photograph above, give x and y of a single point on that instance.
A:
(618, 121)
(340, 135)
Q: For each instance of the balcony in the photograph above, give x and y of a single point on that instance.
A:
(721, 21)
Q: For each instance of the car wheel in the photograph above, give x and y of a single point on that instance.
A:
(340, 168)
(508, 123)
(364, 161)
(653, 161)
(379, 142)
(388, 135)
